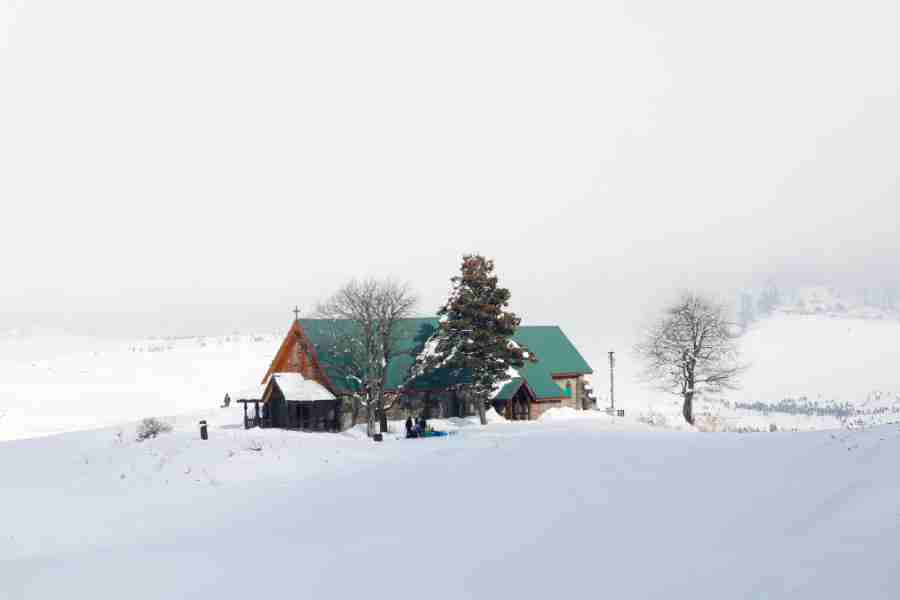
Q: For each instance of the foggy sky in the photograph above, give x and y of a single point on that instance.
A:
(175, 168)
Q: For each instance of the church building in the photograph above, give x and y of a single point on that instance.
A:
(555, 379)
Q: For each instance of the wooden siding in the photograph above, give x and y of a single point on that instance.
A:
(297, 355)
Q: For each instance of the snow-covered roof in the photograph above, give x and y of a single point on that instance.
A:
(511, 375)
(296, 388)
(249, 393)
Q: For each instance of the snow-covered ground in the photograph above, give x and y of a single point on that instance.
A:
(564, 507)
(578, 503)
(53, 384)
(823, 359)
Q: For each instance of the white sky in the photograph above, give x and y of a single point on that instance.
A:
(183, 167)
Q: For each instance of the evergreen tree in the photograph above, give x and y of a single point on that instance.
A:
(474, 338)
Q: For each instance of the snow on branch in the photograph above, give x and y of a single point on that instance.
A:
(691, 348)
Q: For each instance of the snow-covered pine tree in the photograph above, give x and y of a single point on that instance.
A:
(475, 335)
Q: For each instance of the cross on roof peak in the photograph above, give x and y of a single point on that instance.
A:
(296, 313)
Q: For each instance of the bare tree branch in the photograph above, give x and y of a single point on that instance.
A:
(375, 309)
(691, 348)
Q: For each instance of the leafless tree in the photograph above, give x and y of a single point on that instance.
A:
(367, 327)
(691, 348)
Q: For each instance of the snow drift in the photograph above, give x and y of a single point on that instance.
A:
(570, 507)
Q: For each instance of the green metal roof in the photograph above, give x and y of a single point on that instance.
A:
(411, 336)
(555, 355)
(509, 389)
(537, 378)
(553, 349)
(540, 380)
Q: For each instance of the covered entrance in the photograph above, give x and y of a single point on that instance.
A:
(514, 402)
(292, 402)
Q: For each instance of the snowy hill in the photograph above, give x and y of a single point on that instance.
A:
(829, 301)
(55, 383)
(844, 370)
(806, 370)
(523, 510)
(822, 358)
(570, 504)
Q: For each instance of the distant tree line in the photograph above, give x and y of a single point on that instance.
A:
(754, 307)
(885, 298)
(811, 408)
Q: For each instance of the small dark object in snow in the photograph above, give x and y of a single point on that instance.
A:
(377, 437)
(203, 434)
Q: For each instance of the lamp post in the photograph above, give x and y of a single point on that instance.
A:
(612, 385)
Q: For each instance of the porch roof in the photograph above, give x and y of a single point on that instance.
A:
(250, 394)
(295, 388)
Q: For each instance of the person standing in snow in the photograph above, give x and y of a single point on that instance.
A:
(409, 427)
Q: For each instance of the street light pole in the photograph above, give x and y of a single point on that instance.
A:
(612, 386)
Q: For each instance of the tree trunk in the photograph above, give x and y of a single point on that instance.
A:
(426, 408)
(384, 423)
(370, 419)
(480, 405)
(355, 411)
(380, 413)
(688, 409)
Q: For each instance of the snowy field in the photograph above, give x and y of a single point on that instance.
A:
(54, 384)
(826, 359)
(560, 508)
(575, 504)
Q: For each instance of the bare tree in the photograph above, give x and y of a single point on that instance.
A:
(367, 326)
(691, 348)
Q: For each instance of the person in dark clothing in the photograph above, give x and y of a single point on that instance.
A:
(409, 427)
